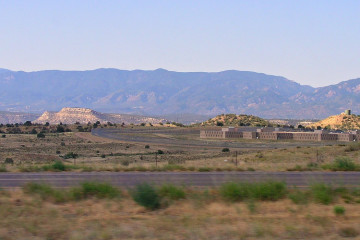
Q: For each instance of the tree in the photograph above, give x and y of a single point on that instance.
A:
(60, 129)
(27, 123)
(33, 131)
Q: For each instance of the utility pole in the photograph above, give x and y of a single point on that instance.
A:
(236, 162)
(156, 160)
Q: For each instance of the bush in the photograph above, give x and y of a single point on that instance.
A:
(160, 151)
(225, 150)
(3, 136)
(271, 190)
(40, 135)
(322, 193)
(33, 131)
(146, 196)
(339, 210)
(147, 146)
(299, 197)
(93, 189)
(70, 155)
(45, 191)
(59, 166)
(171, 192)
(343, 164)
(234, 192)
(9, 161)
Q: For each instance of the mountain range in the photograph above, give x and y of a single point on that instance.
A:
(162, 92)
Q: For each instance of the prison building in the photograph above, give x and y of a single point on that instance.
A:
(346, 137)
(267, 135)
(275, 135)
(249, 135)
(300, 136)
(265, 129)
(212, 134)
(328, 137)
(232, 134)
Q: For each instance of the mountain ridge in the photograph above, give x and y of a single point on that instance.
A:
(163, 92)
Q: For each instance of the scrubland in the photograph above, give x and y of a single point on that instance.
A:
(232, 211)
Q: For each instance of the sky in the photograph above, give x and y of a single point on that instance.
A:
(311, 42)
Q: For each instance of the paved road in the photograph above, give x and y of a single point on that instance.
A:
(130, 179)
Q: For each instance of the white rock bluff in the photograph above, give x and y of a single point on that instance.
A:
(84, 115)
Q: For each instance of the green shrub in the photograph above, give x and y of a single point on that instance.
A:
(40, 135)
(322, 193)
(270, 190)
(93, 189)
(70, 155)
(160, 151)
(225, 150)
(339, 210)
(3, 168)
(173, 167)
(9, 161)
(3, 136)
(299, 197)
(146, 196)
(147, 146)
(125, 162)
(59, 166)
(46, 192)
(172, 192)
(234, 192)
(343, 164)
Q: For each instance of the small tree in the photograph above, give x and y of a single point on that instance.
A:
(40, 135)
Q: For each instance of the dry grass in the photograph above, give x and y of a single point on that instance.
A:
(100, 154)
(29, 217)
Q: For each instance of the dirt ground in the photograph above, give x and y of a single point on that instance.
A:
(107, 154)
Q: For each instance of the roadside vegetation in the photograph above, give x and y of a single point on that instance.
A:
(266, 210)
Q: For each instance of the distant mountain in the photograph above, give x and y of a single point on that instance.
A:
(16, 117)
(85, 115)
(162, 92)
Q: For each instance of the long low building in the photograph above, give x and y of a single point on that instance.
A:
(275, 134)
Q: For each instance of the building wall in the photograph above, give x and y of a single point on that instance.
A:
(300, 136)
(249, 135)
(212, 134)
(233, 134)
(346, 137)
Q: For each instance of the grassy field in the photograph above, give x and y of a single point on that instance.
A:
(102, 212)
(26, 152)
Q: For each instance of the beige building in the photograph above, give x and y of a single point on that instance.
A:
(275, 134)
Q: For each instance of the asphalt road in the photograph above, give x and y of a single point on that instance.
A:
(196, 179)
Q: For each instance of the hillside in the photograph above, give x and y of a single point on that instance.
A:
(16, 117)
(84, 115)
(162, 92)
(235, 120)
(341, 121)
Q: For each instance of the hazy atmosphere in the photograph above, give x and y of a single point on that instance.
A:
(311, 42)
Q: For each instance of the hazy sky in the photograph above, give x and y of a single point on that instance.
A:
(311, 42)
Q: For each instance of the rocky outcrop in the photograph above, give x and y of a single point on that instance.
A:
(86, 115)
